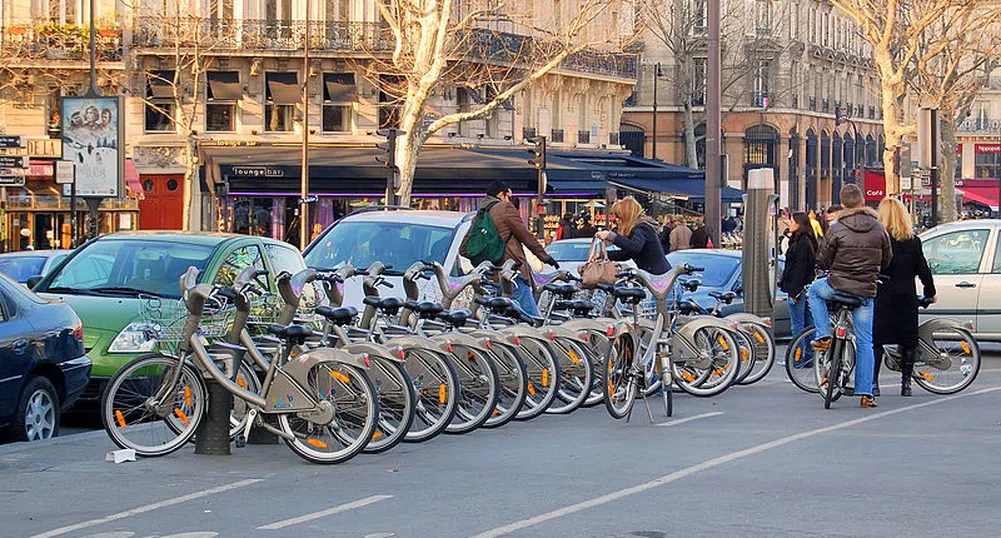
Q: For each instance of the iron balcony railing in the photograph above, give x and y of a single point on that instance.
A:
(58, 42)
(556, 135)
(583, 137)
(980, 126)
(528, 132)
(613, 139)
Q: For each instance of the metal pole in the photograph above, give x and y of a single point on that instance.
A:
(304, 181)
(73, 224)
(391, 169)
(656, 71)
(92, 91)
(540, 193)
(714, 122)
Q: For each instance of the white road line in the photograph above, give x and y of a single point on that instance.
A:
(689, 419)
(709, 464)
(148, 508)
(324, 513)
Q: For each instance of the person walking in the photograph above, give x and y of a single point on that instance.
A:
(567, 228)
(700, 237)
(515, 234)
(587, 230)
(818, 228)
(831, 214)
(636, 238)
(681, 236)
(896, 315)
(665, 233)
(799, 272)
(855, 251)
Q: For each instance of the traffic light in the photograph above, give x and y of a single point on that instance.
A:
(388, 160)
(538, 151)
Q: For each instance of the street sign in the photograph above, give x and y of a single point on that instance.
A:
(905, 183)
(65, 172)
(10, 161)
(8, 141)
(11, 180)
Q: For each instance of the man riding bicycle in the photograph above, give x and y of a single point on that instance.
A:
(855, 250)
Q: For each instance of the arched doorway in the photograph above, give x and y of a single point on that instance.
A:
(760, 148)
(825, 166)
(849, 158)
(794, 171)
(812, 151)
(631, 137)
(870, 151)
(837, 168)
(700, 144)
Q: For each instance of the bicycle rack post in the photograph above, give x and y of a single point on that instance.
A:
(760, 256)
(212, 436)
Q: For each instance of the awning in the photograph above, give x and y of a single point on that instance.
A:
(224, 86)
(132, 184)
(339, 87)
(693, 189)
(283, 88)
(159, 85)
(987, 196)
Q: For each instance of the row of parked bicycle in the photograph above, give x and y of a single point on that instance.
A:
(333, 382)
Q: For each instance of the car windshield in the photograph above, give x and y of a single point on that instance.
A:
(20, 268)
(128, 267)
(395, 244)
(571, 250)
(719, 268)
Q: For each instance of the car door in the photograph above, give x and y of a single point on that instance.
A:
(956, 259)
(16, 351)
(235, 260)
(989, 302)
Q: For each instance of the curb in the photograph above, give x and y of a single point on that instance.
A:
(21, 446)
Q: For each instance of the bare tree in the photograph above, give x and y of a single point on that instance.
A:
(438, 44)
(901, 35)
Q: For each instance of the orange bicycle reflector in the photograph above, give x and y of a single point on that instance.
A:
(318, 443)
(340, 377)
(377, 435)
(965, 346)
(573, 357)
(180, 414)
(545, 378)
(531, 388)
(187, 396)
(928, 377)
(240, 381)
(758, 337)
(120, 418)
(798, 354)
(443, 393)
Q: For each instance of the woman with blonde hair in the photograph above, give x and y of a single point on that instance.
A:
(896, 315)
(636, 237)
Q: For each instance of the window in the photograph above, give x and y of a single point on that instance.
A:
(62, 11)
(282, 94)
(222, 93)
(996, 268)
(389, 101)
(699, 81)
(21, 268)
(284, 258)
(762, 85)
(159, 114)
(338, 95)
(956, 253)
(763, 17)
(987, 165)
(237, 261)
(794, 21)
(699, 17)
(393, 243)
(826, 29)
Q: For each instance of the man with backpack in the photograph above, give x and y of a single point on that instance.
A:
(498, 234)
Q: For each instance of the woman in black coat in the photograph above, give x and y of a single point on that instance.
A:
(799, 271)
(636, 238)
(896, 313)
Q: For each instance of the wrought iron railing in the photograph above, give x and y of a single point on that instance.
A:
(583, 137)
(58, 42)
(760, 99)
(980, 125)
(813, 104)
(825, 106)
(529, 132)
(613, 139)
(556, 135)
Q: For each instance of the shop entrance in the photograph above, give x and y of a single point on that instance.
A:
(160, 209)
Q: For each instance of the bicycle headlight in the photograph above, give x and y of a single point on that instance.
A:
(136, 337)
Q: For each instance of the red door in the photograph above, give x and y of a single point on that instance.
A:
(160, 209)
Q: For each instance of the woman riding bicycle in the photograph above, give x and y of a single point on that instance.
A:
(799, 272)
(636, 238)
(896, 315)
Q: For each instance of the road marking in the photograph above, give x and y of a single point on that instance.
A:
(709, 464)
(324, 513)
(689, 419)
(148, 508)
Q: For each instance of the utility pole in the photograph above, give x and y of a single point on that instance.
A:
(656, 75)
(389, 161)
(304, 180)
(538, 161)
(714, 122)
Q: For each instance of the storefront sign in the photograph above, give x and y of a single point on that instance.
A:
(47, 148)
(7, 161)
(8, 179)
(41, 169)
(258, 171)
(65, 172)
(875, 185)
(987, 148)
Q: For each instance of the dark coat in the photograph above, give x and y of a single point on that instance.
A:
(896, 315)
(643, 247)
(801, 259)
(700, 238)
(587, 231)
(855, 250)
(665, 238)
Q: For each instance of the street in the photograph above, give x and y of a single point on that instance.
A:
(765, 460)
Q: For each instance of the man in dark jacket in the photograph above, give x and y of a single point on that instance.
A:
(587, 230)
(513, 231)
(700, 237)
(855, 250)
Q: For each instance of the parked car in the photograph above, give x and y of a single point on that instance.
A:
(107, 279)
(27, 263)
(965, 259)
(43, 369)
(571, 253)
(724, 273)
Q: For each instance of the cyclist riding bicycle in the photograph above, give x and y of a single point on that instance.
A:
(855, 250)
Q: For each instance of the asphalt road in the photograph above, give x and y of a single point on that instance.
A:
(765, 460)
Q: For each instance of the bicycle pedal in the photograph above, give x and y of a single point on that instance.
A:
(241, 441)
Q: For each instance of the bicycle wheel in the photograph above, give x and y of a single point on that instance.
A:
(543, 379)
(721, 348)
(799, 361)
(576, 376)
(952, 366)
(437, 389)
(598, 344)
(478, 388)
(134, 418)
(396, 404)
(246, 378)
(618, 376)
(513, 387)
(764, 352)
(355, 415)
(746, 349)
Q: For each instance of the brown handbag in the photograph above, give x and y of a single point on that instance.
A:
(599, 270)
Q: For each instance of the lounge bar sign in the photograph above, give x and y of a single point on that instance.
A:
(258, 171)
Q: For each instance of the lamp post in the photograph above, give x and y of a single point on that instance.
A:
(714, 120)
(304, 181)
(656, 75)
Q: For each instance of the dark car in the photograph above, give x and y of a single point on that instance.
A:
(25, 264)
(43, 368)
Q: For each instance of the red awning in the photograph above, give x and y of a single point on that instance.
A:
(132, 184)
(986, 195)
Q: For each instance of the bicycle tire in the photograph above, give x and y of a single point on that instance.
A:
(719, 376)
(799, 359)
(513, 387)
(618, 378)
(576, 376)
(479, 386)
(832, 382)
(598, 343)
(437, 388)
(746, 349)
(124, 406)
(543, 377)
(764, 345)
(396, 404)
(359, 408)
(963, 357)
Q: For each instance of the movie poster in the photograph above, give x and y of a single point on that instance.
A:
(91, 140)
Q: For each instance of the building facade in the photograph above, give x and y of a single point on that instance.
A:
(979, 135)
(789, 69)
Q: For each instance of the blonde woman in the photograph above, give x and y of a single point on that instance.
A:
(636, 237)
(896, 316)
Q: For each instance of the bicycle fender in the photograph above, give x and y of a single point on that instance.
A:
(526, 332)
(559, 331)
(683, 340)
(599, 324)
(446, 339)
(390, 353)
(286, 393)
(413, 341)
(927, 329)
(494, 337)
(744, 317)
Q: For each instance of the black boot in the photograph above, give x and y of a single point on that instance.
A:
(907, 356)
(878, 354)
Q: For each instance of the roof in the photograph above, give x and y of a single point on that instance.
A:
(965, 225)
(445, 219)
(43, 253)
(211, 239)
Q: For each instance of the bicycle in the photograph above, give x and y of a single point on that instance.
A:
(834, 368)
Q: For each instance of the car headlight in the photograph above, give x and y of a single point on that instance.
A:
(136, 337)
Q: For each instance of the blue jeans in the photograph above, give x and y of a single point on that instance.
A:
(523, 296)
(820, 293)
(799, 316)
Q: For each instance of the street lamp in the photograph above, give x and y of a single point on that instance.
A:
(839, 119)
(657, 73)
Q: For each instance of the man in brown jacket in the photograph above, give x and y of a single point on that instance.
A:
(855, 250)
(681, 235)
(513, 231)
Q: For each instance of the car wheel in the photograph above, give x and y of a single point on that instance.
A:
(37, 412)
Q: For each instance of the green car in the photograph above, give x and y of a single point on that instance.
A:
(107, 281)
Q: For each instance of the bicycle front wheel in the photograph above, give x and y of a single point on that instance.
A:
(618, 376)
(513, 388)
(479, 387)
(543, 377)
(952, 366)
(437, 388)
(396, 404)
(799, 361)
(721, 348)
(153, 405)
(576, 376)
(764, 352)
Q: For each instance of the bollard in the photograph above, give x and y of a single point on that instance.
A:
(212, 436)
(760, 250)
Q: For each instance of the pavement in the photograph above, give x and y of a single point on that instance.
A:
(759, 461)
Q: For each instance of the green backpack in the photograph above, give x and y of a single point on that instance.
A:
(483, 242)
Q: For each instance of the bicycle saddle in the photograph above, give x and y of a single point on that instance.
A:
(726, 297)
(580, 308)
(495, 303)
(387, 305)
(565, 291)
(516, 312)
(843, 299)
(691, 284)
(629, 295)
(338, 316)
(292, 334)
(455, 318)
(425, 309)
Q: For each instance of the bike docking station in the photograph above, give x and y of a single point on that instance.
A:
(760, 251)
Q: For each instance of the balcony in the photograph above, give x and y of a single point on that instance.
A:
(760, 99)
(794, 100)
(583, 137)
(58, 42)
(872, 112)
(980, 126)
(556, 135)
(528, 132)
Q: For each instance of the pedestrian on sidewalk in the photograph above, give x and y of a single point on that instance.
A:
(896, 316)
(567, 229)
(799, 272)
(681, 235)
(587, 230)
(665, 233)
(700, 237)
(636, 238)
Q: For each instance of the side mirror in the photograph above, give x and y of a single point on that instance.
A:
(33, 281)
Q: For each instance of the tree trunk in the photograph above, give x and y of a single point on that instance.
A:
(691, 153)
(188, 187)
(947, 177)
(408, 146)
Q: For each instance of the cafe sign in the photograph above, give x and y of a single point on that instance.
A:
(44, 148)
